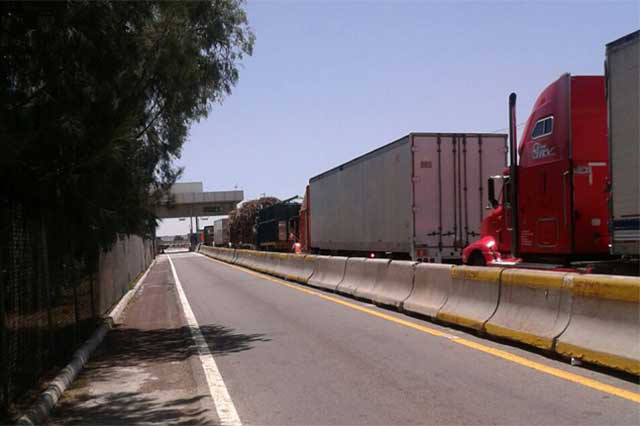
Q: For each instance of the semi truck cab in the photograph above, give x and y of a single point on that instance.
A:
(553, 206)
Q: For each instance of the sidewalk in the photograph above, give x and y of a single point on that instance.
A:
(146, 370)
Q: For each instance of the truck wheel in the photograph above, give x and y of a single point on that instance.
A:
(476, 259)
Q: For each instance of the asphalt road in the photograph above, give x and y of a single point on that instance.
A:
(289, 356)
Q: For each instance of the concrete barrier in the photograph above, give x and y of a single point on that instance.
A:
(374, 270)
(298, 267)
(240, 257)
(206, 250)
(283, 266)
(308, 269)
(261, 261)
(272, 264)
(248, 261)
(605, 322)
(225, 254)
(534, 307)
(361, 275)
(253, 260)
(432, 285)
(329, 272)
(353, 273)
(289, 265)
(474, 296)
(243, 258)
(214, 252)
(394, 284)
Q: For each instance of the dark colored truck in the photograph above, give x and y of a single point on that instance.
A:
(208, 235)
(277, 226)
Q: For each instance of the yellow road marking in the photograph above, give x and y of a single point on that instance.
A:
(575, 378)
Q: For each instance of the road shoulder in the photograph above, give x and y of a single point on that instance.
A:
(146, 370)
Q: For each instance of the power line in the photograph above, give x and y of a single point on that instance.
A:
(506, 128)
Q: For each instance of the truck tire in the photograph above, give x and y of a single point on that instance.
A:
(476, 259)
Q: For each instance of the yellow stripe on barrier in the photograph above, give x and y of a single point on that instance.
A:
(520, 336)
(475, 274)
(533, 279)
(458, 320)
(626, 289)
(596, 357)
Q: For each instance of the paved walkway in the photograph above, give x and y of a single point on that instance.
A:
(146, 370)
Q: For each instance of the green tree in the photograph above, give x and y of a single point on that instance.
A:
(97, 99)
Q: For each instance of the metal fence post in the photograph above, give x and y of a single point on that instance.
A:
(3, 339)
(47, 283)
(4, 367)
(76, 337)
(93, 267)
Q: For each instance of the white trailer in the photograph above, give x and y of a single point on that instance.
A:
(221, 232)
(623, 93)
(420, 197)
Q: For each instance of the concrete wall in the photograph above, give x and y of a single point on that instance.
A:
(128, 258)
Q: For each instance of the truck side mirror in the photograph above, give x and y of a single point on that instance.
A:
(492, 193)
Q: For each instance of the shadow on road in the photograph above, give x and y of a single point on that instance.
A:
(130, 346)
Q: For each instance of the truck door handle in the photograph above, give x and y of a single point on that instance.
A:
(564, 196)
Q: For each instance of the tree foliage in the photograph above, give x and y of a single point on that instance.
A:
(97, 99)
(243, 219)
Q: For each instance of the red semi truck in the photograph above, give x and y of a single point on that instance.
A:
(555, 207)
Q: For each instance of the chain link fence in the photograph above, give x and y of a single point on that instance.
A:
(51, 301)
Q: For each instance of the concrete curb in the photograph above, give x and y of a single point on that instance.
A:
(39, 411)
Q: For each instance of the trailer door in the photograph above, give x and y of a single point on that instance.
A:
(450, 172)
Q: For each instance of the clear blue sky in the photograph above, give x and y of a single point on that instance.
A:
(331, 80)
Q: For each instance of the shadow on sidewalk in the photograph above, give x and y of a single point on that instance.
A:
(153, 351)
(129, 408)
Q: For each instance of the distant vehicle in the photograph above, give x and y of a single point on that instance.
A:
(221, 232)
(208, 235)
(277, 226)
(420, 197)
(573, 187)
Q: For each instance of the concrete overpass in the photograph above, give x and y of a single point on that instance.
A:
(189, 200)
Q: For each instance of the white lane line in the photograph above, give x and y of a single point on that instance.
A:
(224, 405)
